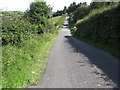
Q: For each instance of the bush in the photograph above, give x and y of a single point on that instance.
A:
(80, 12)
(15, 30)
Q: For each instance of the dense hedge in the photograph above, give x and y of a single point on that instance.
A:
(81, 10)
(101, 27)
(15, 30)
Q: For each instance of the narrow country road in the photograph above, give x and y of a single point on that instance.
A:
(76, 64)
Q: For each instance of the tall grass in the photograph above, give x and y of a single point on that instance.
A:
(57, 22)
(55, 19)
(24, 65)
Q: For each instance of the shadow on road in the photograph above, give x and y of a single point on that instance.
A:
(103, 60)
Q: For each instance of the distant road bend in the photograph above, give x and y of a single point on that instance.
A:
(76, 64)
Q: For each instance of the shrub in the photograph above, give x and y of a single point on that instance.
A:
(15, 30)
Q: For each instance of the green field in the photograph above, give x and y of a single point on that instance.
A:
(11, 13)
(55, 19)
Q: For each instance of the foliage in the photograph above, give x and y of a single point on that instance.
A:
(72, 8)
(97, 5)
(23, 66)
(76, 12)
(79, 13)
(56, 22)
(81, 10)
(27, 40)
(12, 13)
(65, 10)
(58, 13)
(25, 62)
(60, 22)
(38, 13)
(101, 25)
(15, 30)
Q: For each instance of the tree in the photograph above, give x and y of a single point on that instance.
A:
(64, 10)
(81, 12)
(72, 7)
(39, 12)
(58, 13)
(97, 5)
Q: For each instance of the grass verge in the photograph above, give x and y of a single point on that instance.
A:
(24, 65)
(106, 47)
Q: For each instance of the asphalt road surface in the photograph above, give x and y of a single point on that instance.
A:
(76, 64)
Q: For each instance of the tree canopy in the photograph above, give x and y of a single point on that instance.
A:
(39, 12)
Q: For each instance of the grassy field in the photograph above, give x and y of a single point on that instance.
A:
(55, 19)
(23, 66)
(11, 13)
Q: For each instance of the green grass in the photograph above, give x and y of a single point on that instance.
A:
(24, 65)
(55, 19)
(1, 15)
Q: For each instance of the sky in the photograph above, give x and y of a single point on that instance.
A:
(22, 5)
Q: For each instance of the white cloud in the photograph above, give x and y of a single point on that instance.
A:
(23, 5)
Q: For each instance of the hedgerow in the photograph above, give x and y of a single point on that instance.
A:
(26, 45)
(101, 26)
